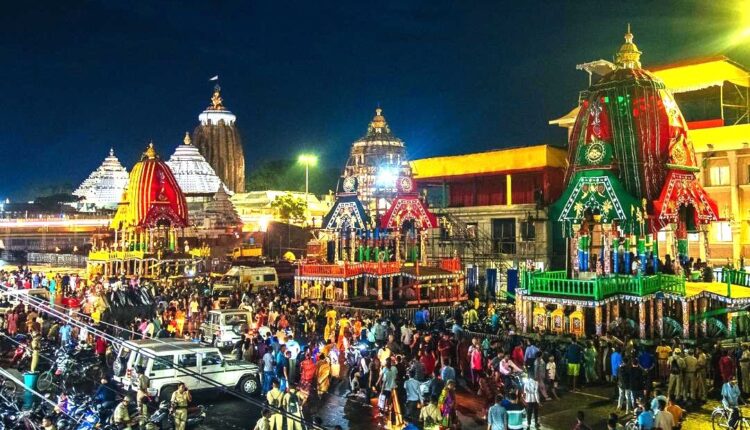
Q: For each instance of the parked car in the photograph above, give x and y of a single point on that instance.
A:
(162, 364)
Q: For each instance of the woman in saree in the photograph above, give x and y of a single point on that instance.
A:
(307, 375)
(589, 363)
(323, 375)
(447, 404)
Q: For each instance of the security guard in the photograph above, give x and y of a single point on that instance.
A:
(275, 398)
(180, 400)
(143, 382)
(292, 404)
(121, 416)
(141, 400)
(691, 367)
(745, 369)
(36, 345)
(676, 369)
(700, 375)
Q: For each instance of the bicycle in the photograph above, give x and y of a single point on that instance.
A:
(721, 418)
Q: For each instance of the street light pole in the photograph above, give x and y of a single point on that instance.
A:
(308, 160)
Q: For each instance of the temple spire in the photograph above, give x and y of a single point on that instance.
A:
(378, 124)
(628, 57)
(186, 140)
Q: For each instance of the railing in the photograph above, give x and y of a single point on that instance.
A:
(551, 283)
(336, 270)
(451, 264)
(115, 255)
(384, 268)
(734, 277)
(70, 260)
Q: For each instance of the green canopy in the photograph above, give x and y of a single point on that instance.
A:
(599, 191)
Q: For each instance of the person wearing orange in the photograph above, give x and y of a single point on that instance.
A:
(179, 318)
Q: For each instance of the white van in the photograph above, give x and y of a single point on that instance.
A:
(250, 278)
(162, 363)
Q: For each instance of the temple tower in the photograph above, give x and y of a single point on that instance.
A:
(218, 140)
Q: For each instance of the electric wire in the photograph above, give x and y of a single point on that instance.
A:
(51, 310)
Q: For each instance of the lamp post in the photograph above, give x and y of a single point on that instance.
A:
(308, 160)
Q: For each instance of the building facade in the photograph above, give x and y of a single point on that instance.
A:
(492, 206)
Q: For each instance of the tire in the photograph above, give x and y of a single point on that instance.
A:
(117, 367)
(165, 394)
(44, 383)
(9, 390)
(718, 420)
(249, 385)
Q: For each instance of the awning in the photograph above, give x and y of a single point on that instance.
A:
(682, 189)
(408, 207)
(347, 211)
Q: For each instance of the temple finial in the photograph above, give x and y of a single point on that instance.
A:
(111, 152)
(186, 140)
(628, 57)
(150, 151)
(216, 100)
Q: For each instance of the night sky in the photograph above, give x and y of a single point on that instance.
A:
(79, 77)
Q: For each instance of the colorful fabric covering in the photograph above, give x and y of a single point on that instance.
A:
(152, 197)
(598, 191)
(347, 211)
(408, 207)
(682, 189)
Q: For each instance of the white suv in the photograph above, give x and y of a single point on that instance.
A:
(162, 360)
(225, 327)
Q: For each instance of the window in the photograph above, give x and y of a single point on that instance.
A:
(269, 278)
(723, 231)
(188, 360)
(528, 231)
(719, 175)
(211, 358)
(233, 319)
(163, 363)
(504, 235)
(471, 230)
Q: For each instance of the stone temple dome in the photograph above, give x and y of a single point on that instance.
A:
(104, 186)
(193, 173)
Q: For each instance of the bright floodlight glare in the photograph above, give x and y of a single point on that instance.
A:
(308, 159)
(386, 177)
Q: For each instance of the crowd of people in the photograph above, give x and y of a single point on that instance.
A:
(411, 369)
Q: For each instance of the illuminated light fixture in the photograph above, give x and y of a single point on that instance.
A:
(386, 177)
(308, 159)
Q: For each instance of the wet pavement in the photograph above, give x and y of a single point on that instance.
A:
(226, 412)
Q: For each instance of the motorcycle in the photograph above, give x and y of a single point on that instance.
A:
(67, 368)
(162, 419)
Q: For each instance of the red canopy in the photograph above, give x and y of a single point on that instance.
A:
(682, 188)
(405, 208)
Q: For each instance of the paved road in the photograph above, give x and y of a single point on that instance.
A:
(229, 413)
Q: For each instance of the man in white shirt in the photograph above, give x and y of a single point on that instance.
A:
(406, 334)
(531, 397)
(663, 419)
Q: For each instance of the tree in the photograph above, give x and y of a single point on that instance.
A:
(289, 209)
(289, 175)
